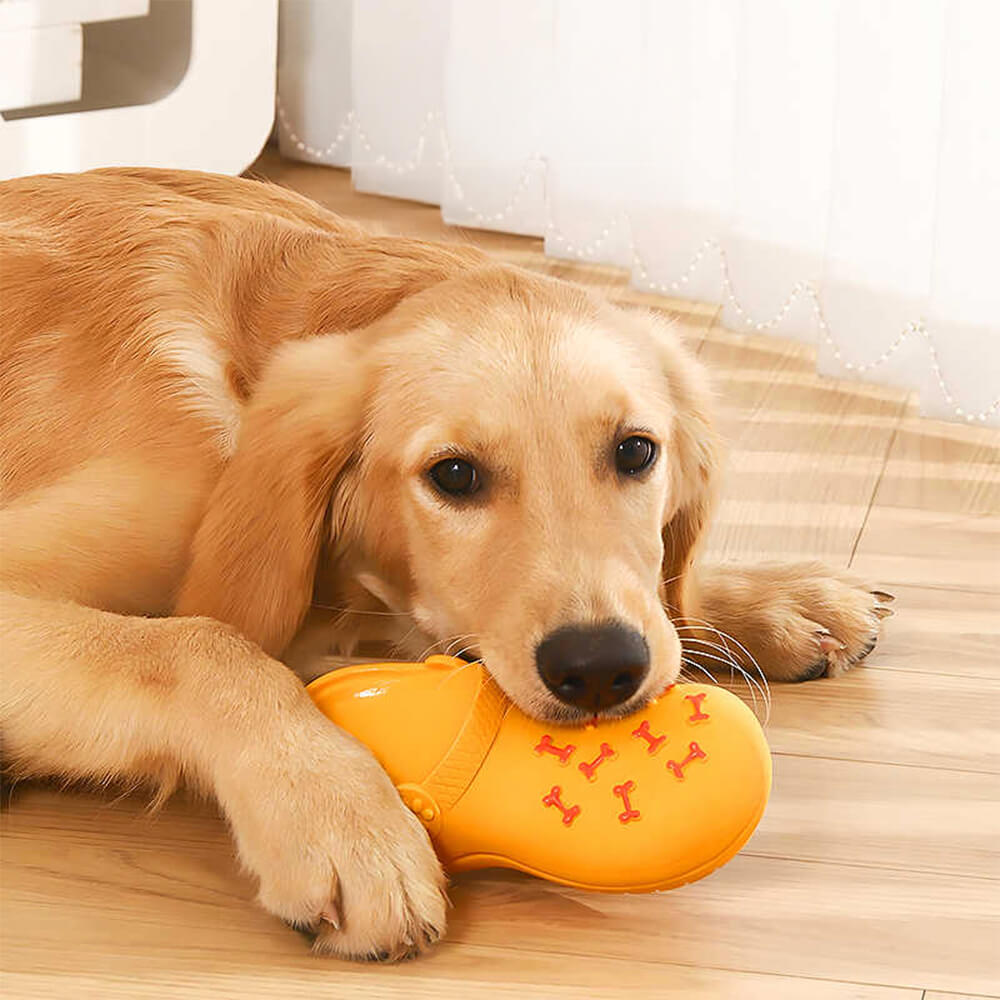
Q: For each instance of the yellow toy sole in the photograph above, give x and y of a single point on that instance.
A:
(648, 802)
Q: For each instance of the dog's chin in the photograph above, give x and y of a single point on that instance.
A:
(547, 709)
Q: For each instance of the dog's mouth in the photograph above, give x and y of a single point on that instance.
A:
(544, 708)
(570, 715)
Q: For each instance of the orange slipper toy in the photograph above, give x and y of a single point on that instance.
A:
(652, 801)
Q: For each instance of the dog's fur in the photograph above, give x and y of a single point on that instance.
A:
(219, 405)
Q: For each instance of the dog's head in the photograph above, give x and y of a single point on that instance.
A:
(510, 462)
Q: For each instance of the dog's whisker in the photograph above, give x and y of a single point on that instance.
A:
(427, 651)
(460, 654)
(694, 640)
(359, 611)
(724, 636)
(689, 678)
(752, 684)
(398, 648)
(714, 680)
(436, 646)
(727, 653)
(689, 641)
(457, 641)
(697, 666)
(447, 642)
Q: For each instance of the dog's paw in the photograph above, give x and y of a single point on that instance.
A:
(795, 621)
(336, 852)
(834, 632)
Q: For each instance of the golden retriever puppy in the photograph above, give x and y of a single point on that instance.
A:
(222, 404)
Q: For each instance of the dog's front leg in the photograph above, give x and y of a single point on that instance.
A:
(88, 694)
(795, 621)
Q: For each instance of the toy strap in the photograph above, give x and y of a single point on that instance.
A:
(453, 775)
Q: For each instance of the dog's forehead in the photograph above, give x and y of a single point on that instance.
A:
(544, 356)
(483, 388)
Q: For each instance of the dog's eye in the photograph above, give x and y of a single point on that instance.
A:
(455, 476)
(634, 454)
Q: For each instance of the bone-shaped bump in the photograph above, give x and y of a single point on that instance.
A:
(589, 768)
(695, 752)
(547, 746)
(696, 700)
(623, 792)
(643, 733)
(569, 813)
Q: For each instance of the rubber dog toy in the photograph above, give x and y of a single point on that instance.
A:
(652, 801)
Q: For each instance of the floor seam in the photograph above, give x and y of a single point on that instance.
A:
(866, 866)
(877, 484)
(885, 763)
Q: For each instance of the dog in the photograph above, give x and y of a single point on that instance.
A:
(238, 430)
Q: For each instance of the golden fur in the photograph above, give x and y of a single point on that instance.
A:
(219, 406)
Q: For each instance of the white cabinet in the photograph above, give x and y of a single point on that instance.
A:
(206, 101)
(41, 46)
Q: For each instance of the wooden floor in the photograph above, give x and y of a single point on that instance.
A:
(875, 872)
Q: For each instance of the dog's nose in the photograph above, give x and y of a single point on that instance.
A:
(593, 666)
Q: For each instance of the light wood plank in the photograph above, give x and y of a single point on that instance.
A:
(940, 548)
(884, 815)
(481, 972)
(891, 716)
(793, 489)
(138, 896)
(928, 525)
(942, 466)
(819, 920)
(942, 630)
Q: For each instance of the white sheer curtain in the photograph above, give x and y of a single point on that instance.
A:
(827, 170)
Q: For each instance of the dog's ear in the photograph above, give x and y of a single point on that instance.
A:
(254, 555)
(694, 453)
